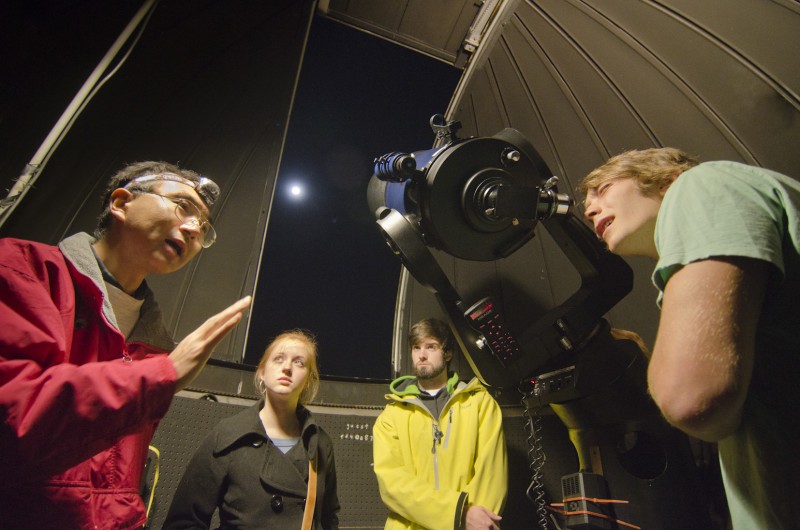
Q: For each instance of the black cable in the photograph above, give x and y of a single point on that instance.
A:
(536, 460)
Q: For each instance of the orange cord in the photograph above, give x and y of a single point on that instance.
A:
(593, 514)
(596, 501)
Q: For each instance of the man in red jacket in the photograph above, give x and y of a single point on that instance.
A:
(87, 367)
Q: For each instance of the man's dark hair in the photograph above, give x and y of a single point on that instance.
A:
(431, 328)
(206, 188)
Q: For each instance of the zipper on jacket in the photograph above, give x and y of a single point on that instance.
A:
(449, 423)
(437, 437)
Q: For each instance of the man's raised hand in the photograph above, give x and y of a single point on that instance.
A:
(190, 355)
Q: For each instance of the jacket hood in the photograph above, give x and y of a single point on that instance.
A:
(407, 385)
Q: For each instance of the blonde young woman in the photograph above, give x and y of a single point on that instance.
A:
(254, 466)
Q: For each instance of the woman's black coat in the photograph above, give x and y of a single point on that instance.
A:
(238, 470)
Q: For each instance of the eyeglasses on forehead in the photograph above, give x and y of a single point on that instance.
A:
(170, 177)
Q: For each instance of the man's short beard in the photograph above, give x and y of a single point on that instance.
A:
(429, 372)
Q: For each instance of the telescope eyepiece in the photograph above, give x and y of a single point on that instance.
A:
(395, 167)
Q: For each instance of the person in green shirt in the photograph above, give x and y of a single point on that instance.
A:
(725, 367)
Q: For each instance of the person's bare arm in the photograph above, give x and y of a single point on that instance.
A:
(191, 354)
(702, 362)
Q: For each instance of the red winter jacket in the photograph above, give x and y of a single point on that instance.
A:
(76, 419)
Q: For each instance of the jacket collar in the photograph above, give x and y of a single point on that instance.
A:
(461, 387)
(276, 469)
(248, 424)
(77, 250)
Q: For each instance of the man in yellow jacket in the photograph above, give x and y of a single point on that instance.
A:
(439, 449)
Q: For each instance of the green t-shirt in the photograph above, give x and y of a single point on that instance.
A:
(731, 209)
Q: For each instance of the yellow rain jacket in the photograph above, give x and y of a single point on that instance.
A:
(430, 470)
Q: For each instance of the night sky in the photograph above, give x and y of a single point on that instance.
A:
(325, 267)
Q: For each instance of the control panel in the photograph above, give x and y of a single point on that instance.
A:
(484, 318)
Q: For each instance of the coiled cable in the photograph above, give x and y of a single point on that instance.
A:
(536, 459)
